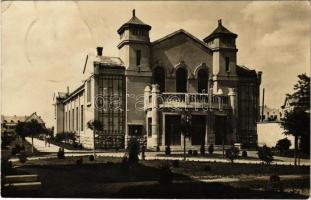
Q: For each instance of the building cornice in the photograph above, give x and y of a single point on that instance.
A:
(125, 42)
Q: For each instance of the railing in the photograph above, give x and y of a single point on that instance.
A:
(191, 100)
(109, 141)
(142, 140)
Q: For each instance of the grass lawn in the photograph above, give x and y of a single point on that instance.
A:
(199, 190)
(106, 177)
(7, 152)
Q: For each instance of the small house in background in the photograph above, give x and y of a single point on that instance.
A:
(271, 114)
(8, 123)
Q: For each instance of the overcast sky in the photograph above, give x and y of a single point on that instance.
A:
(44, 44)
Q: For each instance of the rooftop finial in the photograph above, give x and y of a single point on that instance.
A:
(133, 12)
(219, 22)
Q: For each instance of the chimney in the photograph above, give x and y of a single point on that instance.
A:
(219, 22)
(99, 51)
(67, 89)
(133, 12)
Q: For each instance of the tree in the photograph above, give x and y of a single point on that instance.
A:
(296, 122)
(20, 130)
(31, 128)
(185, 127)
(283, 145)
(265, 154)
(232, 153)
(95, 126)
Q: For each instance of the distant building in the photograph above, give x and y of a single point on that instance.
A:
(271, 114)
(8, 123)
(142, 93)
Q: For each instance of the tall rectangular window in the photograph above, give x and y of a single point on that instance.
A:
(65, 125)
(68, 120)
(149, 127)
(73, 119)
(88, 85)
(81, 117)
(77, 119)
(227, 64)
(138, 57)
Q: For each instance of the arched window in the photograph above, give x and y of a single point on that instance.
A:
(181, 80)
(202, 81)
(159, 78)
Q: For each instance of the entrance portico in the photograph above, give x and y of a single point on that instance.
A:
(209, 112)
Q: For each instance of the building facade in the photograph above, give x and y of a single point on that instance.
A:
(143, 92)
(8, 123)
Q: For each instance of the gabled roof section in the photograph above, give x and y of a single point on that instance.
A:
(36, 117)
(181, 31)
(220, 31)
(134, 22)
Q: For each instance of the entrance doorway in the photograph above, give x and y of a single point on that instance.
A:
(220, 130)
(172, 130)
(198, 129)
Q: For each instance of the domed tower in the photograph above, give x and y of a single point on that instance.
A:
(222, 43)
(134, 44)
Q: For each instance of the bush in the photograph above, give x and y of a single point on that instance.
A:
(265, 154)
(6, 166)
(244, 154)
(91, 158)
(176, 163)
(190, 152)
(79, 161)
(61, 153)
(202, 149)
(66, 136)
(195, 153)
(211, 149)
(133, 151)
(274, 183)
(166, 175)
(22, 157)
(16, 149)
(232, 153)
(167, 150)
(283, 145)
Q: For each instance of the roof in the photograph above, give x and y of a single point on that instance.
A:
(134, 21)
(245, 72)
(35, 117)
(220, 31)
(181, 31)
(12, 119)
(15, 119)
(108, 60)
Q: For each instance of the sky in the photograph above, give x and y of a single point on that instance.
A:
(44, 43)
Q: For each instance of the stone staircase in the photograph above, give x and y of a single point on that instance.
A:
(22, 183)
